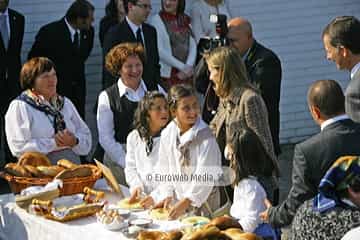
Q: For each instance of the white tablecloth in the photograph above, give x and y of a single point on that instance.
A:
(20, 225)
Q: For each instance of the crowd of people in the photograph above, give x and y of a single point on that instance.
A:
(149, 116)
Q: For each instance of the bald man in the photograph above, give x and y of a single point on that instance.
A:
(264, 69)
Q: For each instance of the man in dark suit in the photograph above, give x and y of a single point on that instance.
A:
(264, 69)
(341, 38)
(68, 43)
(339, 136)
(11, 37)
(134, 29)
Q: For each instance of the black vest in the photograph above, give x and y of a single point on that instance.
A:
(123, 110)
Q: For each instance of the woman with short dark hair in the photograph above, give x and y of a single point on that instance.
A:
(40, 120)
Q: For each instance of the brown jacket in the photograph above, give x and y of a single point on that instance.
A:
(255, 116)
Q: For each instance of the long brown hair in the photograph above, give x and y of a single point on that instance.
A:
(233, 74)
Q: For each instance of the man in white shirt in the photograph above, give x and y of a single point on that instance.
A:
(341, 38)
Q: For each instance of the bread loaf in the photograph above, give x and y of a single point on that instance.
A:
(66, 164)
(225, 222)
(34, 171)
(80, 171)
(237, 234)
(16, 170)
(50, 171)
(34, 159)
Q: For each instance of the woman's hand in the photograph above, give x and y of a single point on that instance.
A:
(147, 202)
(179, 208)
(164, 203)
(135, 195)
(188, 71)
(65, 139)
(181, 75)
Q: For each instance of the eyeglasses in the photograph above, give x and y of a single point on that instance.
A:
(144, 6)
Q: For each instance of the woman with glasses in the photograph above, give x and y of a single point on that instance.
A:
(178, 48)
(117, 104)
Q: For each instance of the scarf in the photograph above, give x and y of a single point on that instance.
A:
(52, 108)
(339, 177)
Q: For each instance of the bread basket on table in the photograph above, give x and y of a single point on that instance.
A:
(91, 205)
(19, 177)
(70, 185)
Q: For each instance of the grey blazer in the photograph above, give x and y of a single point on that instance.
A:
(352, 98)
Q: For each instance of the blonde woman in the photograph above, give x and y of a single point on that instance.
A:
(239, 102)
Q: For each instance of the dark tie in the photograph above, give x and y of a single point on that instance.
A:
(76, 40)
(139, 38)
(4, 31)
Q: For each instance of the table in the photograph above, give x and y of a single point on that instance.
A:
(20, 225)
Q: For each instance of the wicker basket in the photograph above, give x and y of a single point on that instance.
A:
(70, 185)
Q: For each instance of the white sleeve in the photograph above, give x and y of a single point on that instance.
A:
(132, 177)
(163, 190)
(82, 132)
(196, 24)
(18, 132)
(106, 129)
(251, 199)
(162, 38)
(208, 159)
(192, 52)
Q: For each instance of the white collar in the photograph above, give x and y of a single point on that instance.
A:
(332, 120)
(133, 26)
(6, 13)
(355, 69)
(71, 29)
(123, 89)
(191, 133)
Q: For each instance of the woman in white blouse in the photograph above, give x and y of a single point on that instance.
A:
(248, 159)
(200, 17)
(41, 120)
(151, 116)
(178, 47)
(188, 147)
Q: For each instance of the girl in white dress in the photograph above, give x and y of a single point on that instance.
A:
(248, 159)
(187, 148)
(151, 116)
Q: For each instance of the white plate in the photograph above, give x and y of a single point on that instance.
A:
(115, 225)
(141, 222)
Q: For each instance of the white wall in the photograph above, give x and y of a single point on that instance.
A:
(291, 28)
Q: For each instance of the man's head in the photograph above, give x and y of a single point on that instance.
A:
(3, 5)
(326, 100)
(240, 34)
(137, 10)
(341, 38)
(80, 14)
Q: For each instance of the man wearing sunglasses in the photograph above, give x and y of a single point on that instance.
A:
(264, 69)
(134, 29)
(341, 38)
